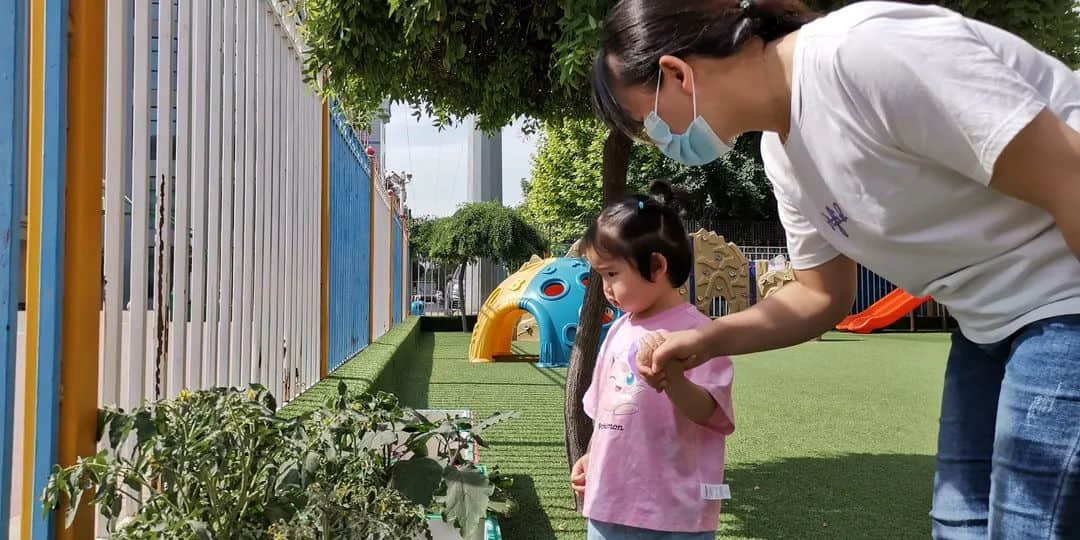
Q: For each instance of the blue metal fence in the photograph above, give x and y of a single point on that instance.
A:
(350, 244)
(871, 288)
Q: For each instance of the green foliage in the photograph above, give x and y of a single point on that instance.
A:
(501, 60)
(485, 230)
(564, 193)
(221, 464)
(733, 187)
(1050, 25)
(495, 59)
(420, 231)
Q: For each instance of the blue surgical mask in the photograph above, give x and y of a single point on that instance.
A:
(697, 146)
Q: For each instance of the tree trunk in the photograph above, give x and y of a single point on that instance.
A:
(578, 426)
(461, 297)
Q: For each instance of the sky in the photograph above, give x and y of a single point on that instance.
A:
(439, 164)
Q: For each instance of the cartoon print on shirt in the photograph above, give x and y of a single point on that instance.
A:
(624, 384)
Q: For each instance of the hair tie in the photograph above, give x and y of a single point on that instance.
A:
(641, 205)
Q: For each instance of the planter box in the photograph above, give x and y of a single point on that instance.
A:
(440, 530)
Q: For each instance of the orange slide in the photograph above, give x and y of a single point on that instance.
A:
(883, 313)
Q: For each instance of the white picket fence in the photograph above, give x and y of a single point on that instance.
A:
(212, 258)
(381, 257)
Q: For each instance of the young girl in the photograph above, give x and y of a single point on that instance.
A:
(655, 466)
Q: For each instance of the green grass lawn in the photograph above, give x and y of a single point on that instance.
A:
(833, 439)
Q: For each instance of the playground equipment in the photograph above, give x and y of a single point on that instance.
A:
(773, 280)
(552, 291)
(882, 313)
(720, 270)
(542, 300)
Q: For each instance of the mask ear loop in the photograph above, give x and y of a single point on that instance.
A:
(656, 100)
(693, 93)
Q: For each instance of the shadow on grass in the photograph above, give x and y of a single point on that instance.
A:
(559, 379)
(484, 383)
(415, 376)
(530, 358)
(847, 496)
(530, 522)
(841, 339)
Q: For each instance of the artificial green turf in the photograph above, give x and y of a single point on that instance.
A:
(374, 368)
(834, 439)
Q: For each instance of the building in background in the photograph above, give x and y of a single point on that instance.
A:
(375, 136)
(484, 184)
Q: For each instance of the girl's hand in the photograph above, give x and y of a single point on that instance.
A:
(577, 475)
(659, 350)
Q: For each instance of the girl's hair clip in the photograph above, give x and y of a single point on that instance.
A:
(641, 205)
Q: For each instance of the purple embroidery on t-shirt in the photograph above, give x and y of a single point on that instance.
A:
(835, 217)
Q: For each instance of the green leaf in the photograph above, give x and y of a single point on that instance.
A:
(278, 511)
(132, 481)
(119, 428)
(199, 530)
(492, 420)
(379, 439)
(467, 496)
(417, 478)
(288, 477)
(144, 427)
(73, 507)
(103, 418)
(505, 508)
(312, 461)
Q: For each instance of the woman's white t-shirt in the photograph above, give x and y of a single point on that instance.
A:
(899, 113)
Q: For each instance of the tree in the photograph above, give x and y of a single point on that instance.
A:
(563, 195)
(420, 233)
(494, 59)
(484, 230)
(733, 187)
(499, 60)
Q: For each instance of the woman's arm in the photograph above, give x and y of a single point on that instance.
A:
(800, 311)
(1041, 166)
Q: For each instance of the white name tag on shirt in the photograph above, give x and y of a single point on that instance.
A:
(715, 492)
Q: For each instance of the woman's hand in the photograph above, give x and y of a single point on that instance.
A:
(659, 349)
(577, 475)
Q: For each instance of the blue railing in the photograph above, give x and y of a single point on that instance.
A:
(350, 245)
(399, 271)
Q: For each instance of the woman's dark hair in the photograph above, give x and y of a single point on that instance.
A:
(638, 32)
(635, 228)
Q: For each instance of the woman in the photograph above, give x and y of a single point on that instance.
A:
(941, 153)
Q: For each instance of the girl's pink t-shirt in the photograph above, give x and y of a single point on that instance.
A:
(650, 466)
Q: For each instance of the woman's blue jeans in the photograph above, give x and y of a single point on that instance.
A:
(1008, 461)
